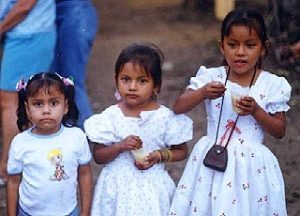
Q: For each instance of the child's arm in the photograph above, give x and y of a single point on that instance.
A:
(190, 98)
(104, 154)
(13, 184)
(85, 188)
(178, 153)
(274, 124)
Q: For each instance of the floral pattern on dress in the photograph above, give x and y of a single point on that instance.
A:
(121, 188)
(252, 184)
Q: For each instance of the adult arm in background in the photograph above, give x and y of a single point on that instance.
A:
(16, 15)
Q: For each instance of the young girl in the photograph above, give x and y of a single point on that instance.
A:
(252, 183)
(134, 138)
(50, 155)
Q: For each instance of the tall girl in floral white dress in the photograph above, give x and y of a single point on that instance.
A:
(252, 184)
(137, 124)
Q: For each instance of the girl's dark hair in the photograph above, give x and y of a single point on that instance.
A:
(46, 80)
(246, 17)
(147, 56)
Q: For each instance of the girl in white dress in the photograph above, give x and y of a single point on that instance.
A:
(134, 138)
(252, 184)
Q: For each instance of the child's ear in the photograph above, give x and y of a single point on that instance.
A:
(265, 48)
(221, 47)
(66, 108)
(156, 90)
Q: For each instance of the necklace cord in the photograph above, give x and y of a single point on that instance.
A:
(221, 109)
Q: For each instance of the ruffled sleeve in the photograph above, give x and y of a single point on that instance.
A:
(14, 164)
(179, 130)
(279, 95)
(99, 129)
(202, 77)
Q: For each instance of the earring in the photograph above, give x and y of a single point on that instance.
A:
(117, 95)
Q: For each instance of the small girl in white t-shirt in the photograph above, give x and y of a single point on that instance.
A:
(135, 138)
(50, 156)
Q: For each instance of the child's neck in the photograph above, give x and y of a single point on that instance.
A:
(244, 79)
(135, 111)
(45, 132)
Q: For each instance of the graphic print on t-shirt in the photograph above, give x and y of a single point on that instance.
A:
(55, 157)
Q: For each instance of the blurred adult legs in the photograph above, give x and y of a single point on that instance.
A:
(77, 24)
(8, 105)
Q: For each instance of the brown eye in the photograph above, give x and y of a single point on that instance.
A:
(250, 46)
(143, 81)
(124, 79)
(232, 45)
(37, 104)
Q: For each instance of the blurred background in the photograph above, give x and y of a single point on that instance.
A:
(188, 31)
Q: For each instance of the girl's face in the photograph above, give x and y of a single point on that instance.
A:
(135, 86)
(46, 109)
(242, 49)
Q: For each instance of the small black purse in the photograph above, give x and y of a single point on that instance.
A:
(216, 158)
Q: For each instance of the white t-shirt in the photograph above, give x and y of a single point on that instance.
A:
(48, 164)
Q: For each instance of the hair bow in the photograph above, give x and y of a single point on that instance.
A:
(21, 85)
(67, 81)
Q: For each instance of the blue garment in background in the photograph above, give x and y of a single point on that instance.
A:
(77, 25)
(28, 47)
(24, 56)
(40, 19)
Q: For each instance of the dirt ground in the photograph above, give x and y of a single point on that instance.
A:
(188, 40)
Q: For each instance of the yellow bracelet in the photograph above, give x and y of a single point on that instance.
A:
(161, 157)
(170, 155)
(166, 155)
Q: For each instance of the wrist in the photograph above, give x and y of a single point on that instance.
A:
(159, 156)
(118, 146)
(256, 108)
(202, 93)
(166, 155)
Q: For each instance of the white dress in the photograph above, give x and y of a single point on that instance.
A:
(252, 184)
(121, 188)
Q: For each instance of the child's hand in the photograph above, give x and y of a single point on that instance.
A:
(150, 160)
(130, 143)
(213, 90)
(247, 105)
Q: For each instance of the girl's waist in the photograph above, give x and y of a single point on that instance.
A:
(246, 140)
(129, 166)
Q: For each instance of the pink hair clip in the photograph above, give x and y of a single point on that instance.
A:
(21, 85)
(67, 81)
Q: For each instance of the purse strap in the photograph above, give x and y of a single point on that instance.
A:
(221, 109)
